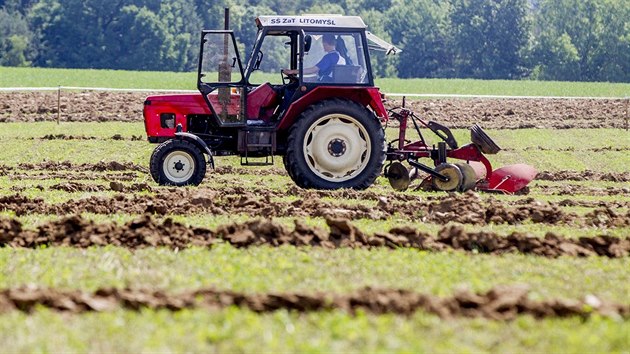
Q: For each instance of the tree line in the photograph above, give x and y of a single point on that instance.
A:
(570, 40)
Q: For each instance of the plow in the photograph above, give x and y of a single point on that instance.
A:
(454, 168)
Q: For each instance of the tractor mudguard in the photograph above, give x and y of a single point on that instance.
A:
(199, 143)
(365, 96)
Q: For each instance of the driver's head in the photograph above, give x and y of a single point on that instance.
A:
(328, 41)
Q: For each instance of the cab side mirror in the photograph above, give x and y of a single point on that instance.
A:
(307, 43)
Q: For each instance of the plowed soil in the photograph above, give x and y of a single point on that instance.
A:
(454, 113)
(75, 231)
(499, 303)
(467, 208)
(522, 113)
(586, 175)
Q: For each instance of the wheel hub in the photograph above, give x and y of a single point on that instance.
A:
(337, 147)
(179, 166)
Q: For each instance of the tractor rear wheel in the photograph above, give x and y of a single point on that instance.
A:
(335, 144)
(177, 162)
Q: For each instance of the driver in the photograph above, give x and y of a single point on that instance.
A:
(324, 67)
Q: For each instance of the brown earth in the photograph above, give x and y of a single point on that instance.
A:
(75, 231)
(571, 189)
(563, 175)
(466, 208)
(76, 176)
(83, 137)
(500, 303)
(587, 175)
(454, 113)
(522, 113)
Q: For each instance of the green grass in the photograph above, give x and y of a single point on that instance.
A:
(242, 331)
(262, 269)
(36, 77)
(265, 269)
(92, 151)
(504, 87)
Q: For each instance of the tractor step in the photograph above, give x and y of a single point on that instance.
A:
(255, 142)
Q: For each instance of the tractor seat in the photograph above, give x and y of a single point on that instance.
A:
(346, 74)
(261, 102)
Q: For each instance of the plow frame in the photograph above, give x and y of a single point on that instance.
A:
(488, 180)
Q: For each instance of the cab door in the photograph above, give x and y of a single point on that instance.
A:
(220, 77)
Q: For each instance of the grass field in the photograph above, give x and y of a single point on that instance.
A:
(307, 269)
(43, 77)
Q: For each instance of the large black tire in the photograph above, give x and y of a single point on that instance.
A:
(177, 162)
(334, 144)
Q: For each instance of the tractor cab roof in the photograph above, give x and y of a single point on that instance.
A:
(326, 23)
(311, 22)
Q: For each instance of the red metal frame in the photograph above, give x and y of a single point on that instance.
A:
(509, 179)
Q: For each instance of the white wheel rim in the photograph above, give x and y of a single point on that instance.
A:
(337, 147)
(178, 166)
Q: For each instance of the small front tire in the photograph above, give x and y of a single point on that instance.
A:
(177, 162)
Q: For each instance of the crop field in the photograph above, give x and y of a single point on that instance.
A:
(95, 256)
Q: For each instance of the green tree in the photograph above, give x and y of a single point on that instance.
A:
(582, 40)
(423, 36)
(127, 34)
(16, 47)
(489, 38)
(382, 65)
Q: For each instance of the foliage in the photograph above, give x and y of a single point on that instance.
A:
(15, 39)
(487, 39)
(583, 40)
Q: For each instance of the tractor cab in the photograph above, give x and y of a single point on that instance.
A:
(261, 91)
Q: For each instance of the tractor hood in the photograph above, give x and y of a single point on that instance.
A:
(379, 44)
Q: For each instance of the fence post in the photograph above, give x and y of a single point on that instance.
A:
(627, 104)
(58, 104)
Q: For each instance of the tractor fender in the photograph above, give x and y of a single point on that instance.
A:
(198, 142)
(365, 96)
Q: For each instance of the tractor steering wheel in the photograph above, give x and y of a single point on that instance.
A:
(288, 78)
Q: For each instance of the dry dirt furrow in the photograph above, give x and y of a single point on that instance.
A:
(499, 303)
(101, 166)
(455, 113)
(576, 189)
(466, 208)
(587, 175)
(76, 231)
(522, 113)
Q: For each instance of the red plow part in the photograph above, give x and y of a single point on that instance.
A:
(473, 171)
(509, 179)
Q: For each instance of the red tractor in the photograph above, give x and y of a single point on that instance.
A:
(321, 113)
(325, 123)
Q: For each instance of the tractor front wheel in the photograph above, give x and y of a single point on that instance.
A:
(177, 162)
(335, 144)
